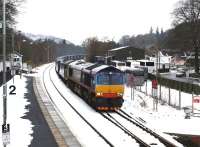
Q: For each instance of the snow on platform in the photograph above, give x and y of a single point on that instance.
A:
(20, 129)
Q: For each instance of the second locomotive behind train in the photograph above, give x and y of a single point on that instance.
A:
(101, 86)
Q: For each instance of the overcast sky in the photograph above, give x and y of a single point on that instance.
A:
(76, 20)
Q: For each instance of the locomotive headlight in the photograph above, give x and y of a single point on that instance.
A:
(120, 94)
(98, 93)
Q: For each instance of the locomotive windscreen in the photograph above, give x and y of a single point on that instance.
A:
(105, 78)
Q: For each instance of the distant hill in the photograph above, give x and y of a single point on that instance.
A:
(62, 46)
(43, 37)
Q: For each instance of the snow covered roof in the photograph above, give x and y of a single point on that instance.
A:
(162, 59)
(115, 49)
(144, 60)
(116, 61)
(17, 53)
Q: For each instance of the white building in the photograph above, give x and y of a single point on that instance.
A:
(150, 65)
(8, 65)
(16, 61)
(162, 62)
(119, 64)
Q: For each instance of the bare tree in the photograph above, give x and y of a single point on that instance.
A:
(125, 40)
(11, 10)
(90, 44)
(94, 47)
(188, 12)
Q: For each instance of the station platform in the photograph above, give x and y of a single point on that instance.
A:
(58, 127)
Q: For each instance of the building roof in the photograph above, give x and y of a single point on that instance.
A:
(17, 53)
(116, 61)
(119, 48)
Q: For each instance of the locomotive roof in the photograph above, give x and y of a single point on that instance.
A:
(93, 66)
(68, 61)
(104, 67)
(90, 67)
(80, 64)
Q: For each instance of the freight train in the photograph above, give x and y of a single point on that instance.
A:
(101, 86)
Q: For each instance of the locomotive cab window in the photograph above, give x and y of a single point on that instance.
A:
(109, 78)
(116, 78)
(103, 79)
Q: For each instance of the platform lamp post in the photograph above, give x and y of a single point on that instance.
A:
(5, 126)
(12, 57)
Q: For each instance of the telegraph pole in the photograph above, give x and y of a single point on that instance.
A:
(4, 65)
(5, 126)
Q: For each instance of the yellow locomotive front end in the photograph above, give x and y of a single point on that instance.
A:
(109, 90)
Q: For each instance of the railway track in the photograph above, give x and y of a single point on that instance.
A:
(131, 132)
(140, 124)
(75, 110)
(153, 138)
(138, 121)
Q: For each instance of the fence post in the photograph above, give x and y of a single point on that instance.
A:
(160, 92)
(131, 94)
(146, 88)
(179, 97)
(192, 102)
(169, 97)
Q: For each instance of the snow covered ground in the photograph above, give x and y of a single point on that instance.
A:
(20, 129)
(166, 119)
